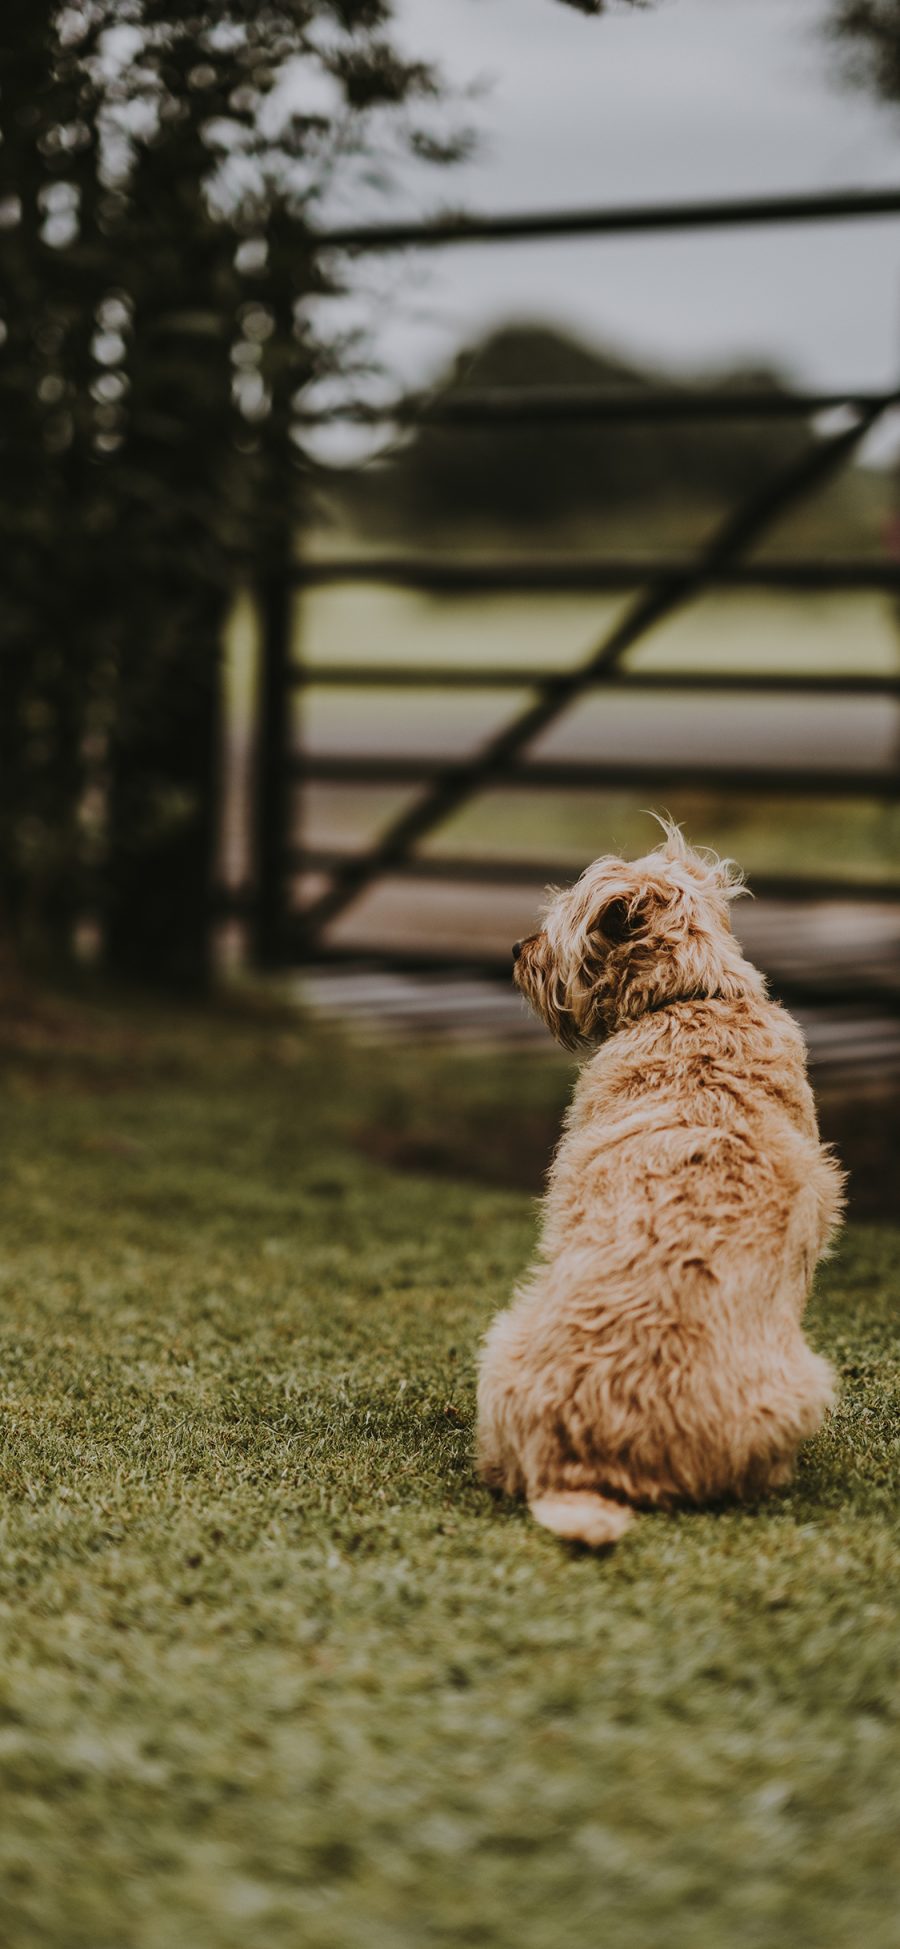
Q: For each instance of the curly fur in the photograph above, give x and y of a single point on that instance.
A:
(656, 1353)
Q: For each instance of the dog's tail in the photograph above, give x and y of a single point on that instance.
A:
(580, 1516)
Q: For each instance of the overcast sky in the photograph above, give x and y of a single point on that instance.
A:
(687, 98)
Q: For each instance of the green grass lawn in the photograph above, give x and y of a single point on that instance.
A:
(275, 1670)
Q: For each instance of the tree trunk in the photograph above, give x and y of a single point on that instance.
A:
(164, 802)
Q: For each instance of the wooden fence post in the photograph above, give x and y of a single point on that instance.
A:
(272, 784)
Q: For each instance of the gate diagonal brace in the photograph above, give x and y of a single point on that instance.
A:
(457, 784)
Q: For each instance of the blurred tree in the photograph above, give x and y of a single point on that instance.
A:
(599, 6)
(160, 166)
(868, 31)
(556, 471)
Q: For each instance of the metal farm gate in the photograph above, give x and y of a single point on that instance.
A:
(287, 934)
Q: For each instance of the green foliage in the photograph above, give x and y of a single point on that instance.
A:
(868, 32)
(274, 1668)
(155, 206)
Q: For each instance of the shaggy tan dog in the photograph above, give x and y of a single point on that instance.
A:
(656, 1353)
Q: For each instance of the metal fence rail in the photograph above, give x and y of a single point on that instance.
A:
(634, 219)
(561, 577)
(442, 676)
(475, 869)
(659, 586)
(592, 406)
(570, 774)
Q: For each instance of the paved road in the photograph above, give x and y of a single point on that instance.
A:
(834, 733)
(838, 945)
(850, 1050)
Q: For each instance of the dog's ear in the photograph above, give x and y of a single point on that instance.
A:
(616, 922)
(623, 920)
(627, 920)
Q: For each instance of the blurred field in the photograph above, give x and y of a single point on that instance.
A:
(275, 1669)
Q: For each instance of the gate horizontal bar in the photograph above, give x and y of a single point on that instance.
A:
(498, 872)
(825, 206)
(402, 676)
(506, 750)
(536, 405)
(573, 776)
(516, 573)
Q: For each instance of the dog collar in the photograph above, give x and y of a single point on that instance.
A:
(674, 1001)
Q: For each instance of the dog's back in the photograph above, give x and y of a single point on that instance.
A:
(656, 1352)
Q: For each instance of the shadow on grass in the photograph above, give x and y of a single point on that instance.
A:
(511, 1148)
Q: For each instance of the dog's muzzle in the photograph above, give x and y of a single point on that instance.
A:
(517, 949)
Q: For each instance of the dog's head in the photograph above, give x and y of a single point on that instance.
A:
(630, 936)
